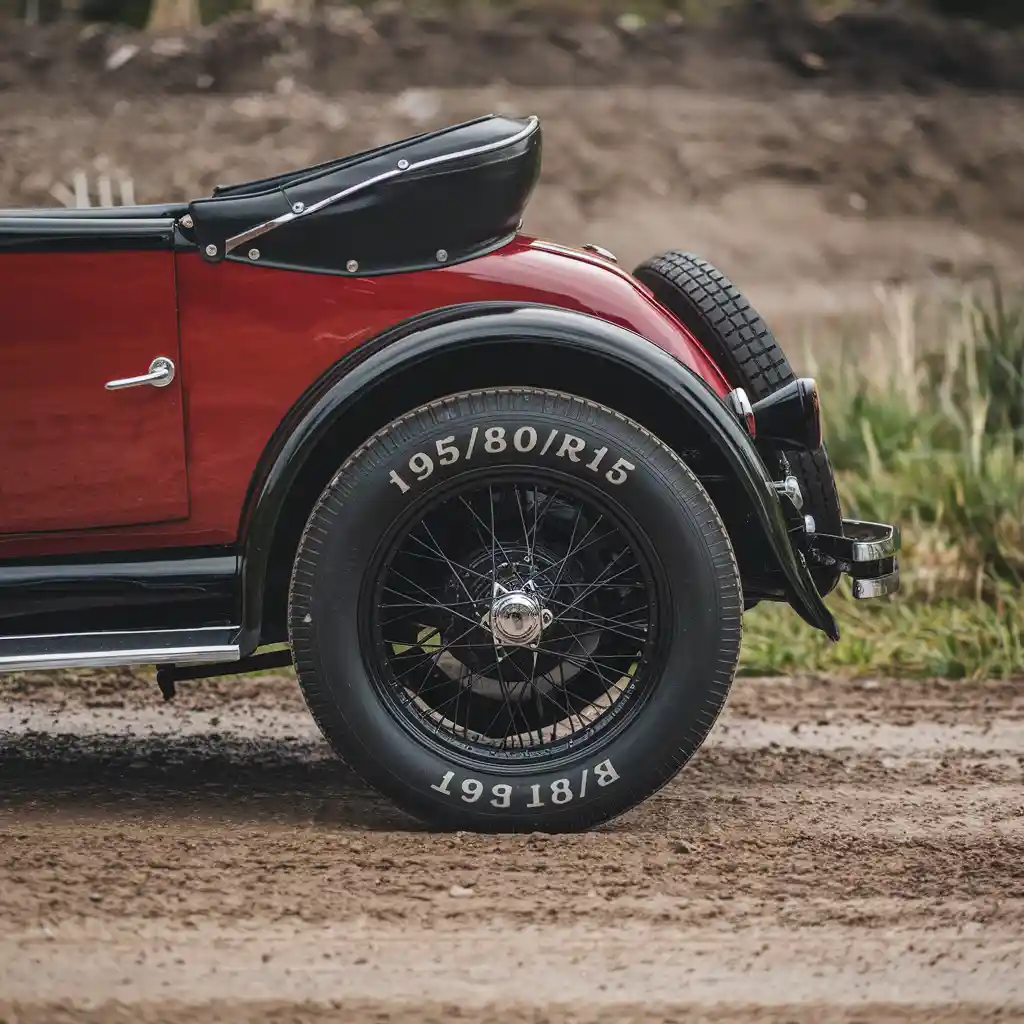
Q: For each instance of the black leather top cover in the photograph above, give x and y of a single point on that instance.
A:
(462, 206)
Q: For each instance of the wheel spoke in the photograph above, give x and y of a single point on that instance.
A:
(440, 559)
(433, 656)
(447, 561)
(526, 532)
(582, 573)
(494, 543)
(445, 606)
(593, 586)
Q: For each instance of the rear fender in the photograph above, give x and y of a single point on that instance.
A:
(370, 368)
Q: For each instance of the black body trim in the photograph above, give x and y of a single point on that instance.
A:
(181, 589)
(101, 230)
(375, 363)
(461, 208)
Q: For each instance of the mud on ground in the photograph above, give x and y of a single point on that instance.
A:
(838, 852)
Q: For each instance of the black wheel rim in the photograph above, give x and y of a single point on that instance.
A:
(514, 619)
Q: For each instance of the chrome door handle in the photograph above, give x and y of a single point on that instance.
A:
(161, 373)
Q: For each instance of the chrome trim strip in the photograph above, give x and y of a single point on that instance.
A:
(116, 659)
(600, 250)
(113, 633)
(286, 218)
(880, 586)
(113, 649)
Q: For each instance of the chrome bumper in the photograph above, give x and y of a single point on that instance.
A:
(866, 553)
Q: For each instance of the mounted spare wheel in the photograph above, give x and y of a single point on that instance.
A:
(515, 610)
(710, 306)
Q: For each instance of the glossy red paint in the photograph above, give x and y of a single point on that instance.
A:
(253, 339)
(75, 455)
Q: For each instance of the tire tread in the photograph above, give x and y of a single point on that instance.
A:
(738, 338)
(387, 440)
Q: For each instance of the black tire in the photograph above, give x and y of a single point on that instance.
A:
(347, 596)
(739, 340)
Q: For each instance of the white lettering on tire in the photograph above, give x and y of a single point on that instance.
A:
(494, 440)
(399, 482)
(559, 792)
(525, 432)
(421, 466)
(571, 446)
(549, 442)
(525, 439)
(447, 453)
(618, 473)
(446, 781)
(472, 790)
(595, 462)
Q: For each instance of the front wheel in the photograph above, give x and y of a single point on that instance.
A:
(514, 609)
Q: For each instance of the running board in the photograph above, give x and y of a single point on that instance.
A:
(110, 650)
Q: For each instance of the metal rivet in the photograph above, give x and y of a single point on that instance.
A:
(298, 207)
(442, 255)
(254, 254)
(403, 164)
(211, 250)
(186, 221)
(352, 266)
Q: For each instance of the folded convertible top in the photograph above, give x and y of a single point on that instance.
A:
(434, 199)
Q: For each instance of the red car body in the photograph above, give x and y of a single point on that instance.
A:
(90, 471)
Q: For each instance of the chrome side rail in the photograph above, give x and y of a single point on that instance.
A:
(42, 652)
(404, 167)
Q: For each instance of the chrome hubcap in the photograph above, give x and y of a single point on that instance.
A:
(516, 618)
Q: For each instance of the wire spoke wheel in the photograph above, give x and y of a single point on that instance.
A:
(512, 619)
(515, 609)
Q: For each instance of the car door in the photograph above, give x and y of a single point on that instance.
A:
(75, 453)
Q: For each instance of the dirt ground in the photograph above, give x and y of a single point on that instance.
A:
(838, 852)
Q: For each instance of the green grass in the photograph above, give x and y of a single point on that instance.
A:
(933, 434)
(929, 435)
(951, 638)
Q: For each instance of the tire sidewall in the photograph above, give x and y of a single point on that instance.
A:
(697, 607)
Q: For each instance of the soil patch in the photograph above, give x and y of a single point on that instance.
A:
(211, 861)
(389, 47)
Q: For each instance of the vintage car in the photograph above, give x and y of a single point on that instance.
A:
(502, 503)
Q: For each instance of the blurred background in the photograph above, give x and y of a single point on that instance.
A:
(856, 167)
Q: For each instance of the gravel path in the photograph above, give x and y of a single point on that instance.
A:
(838, 852)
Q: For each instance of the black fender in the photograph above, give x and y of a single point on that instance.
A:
(464, 326)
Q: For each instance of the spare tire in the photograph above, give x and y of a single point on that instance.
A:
(713, 309)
